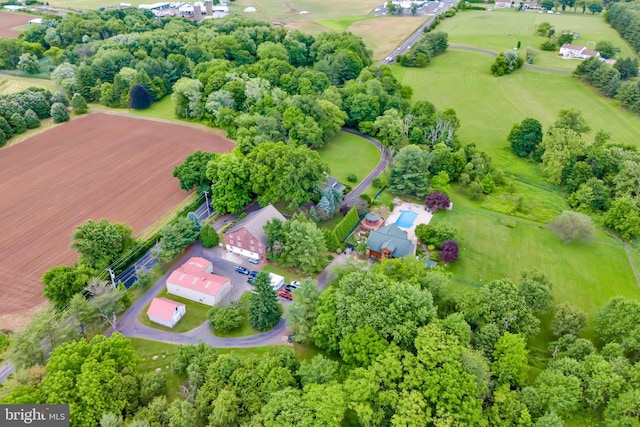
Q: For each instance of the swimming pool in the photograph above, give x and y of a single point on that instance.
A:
(406, 218)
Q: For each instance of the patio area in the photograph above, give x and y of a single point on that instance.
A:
(407, 216)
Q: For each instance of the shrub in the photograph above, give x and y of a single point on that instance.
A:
(17, 123)
(226, 227)
(31, 119)
(506, 63)
(3, 138)
(330, 239)
(60, 97)
(449, 251)
(225, 319)
(59, 113)
(434, 256)
(139, 98)
(209, 236)
(549, 46)
(431, 247)
(242, 216)
(437, 200)
(376, 182)
(343, 228)
(508, 223)
(79, 104)
(352, 177)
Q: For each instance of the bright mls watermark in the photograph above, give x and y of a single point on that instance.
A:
(34, 415)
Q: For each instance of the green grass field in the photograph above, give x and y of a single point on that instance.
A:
(586, 274)
(196, 314)
(92, 4)
(146, 350)
(488, 106)
(347, 154)
(341, 24)
(12, 84)
(162, 109)
(501, 30)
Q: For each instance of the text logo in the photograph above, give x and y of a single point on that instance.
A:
(34, 415)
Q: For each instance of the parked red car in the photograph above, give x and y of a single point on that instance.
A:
(283, 293)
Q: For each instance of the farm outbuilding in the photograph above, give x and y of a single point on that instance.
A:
(194, 280)
(166, 312)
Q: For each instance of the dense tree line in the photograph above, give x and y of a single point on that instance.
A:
(23, 110)
(428, 46)
(618, 82)
(600, 177)
(625, 18)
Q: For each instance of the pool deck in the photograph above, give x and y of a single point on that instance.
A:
(423, 217)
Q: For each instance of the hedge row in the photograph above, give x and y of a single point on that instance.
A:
(344, 227)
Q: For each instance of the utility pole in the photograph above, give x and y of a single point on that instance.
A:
(113, 277)
(206, 199)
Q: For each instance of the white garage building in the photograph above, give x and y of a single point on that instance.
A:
(194, 280)
(166, 312)
(277, 281)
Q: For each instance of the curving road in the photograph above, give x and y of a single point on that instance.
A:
(494, 53)
(380, 167)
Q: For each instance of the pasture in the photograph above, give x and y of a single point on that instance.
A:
(586, 274)
(10, 20)
(500, 30)
(488, 106)
(91, 4)
(12, 84)
(97, 166)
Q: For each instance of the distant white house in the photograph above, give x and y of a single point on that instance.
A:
(35, 21)
(166, 312)
(571, 51)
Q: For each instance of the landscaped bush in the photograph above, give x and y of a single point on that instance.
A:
(79, 104)
(376, 183)
(226, 227)
(345, 226)
(330, 239)
(549, 46)
(508, 223)
(242, 216)
(225, 319)
(31, 119)
(209, 236)
(449, 251)
(59, 113)
(506, 63)
(352, 177)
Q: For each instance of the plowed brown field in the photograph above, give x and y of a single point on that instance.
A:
(8, 20)
(97, 166)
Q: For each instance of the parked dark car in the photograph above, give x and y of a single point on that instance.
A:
(242, 270)
(254, 273)
(250, 280)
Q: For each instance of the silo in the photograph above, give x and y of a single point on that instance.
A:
(208, 4)
(197, 11)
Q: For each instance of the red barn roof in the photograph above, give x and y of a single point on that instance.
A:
(163, 308)
(192, 275)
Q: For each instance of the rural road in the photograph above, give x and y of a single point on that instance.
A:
(380, 167)
(130, 326)
(413, 38)
(494, 53)
(6, 369)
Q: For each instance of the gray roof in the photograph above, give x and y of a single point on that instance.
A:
(333, 183)
(255, 221)
(390, 237)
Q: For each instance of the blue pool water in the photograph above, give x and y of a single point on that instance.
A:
(406, 218)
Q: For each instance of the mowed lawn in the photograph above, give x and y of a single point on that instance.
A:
(488, 106)
(347, 154)
(92, 4)
(586, 274)
(274, 10)
(500, 30)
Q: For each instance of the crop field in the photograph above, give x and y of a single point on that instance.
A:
(10, 20)
(500, 30)
(97, 166)
(586, 274)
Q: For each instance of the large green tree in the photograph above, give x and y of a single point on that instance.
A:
(304, 246)
(410, 172)
(192, 173)
(302, 314)
(63, 282)
(101, 242)
(231, 183)
(264, 309)
(525, 137)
